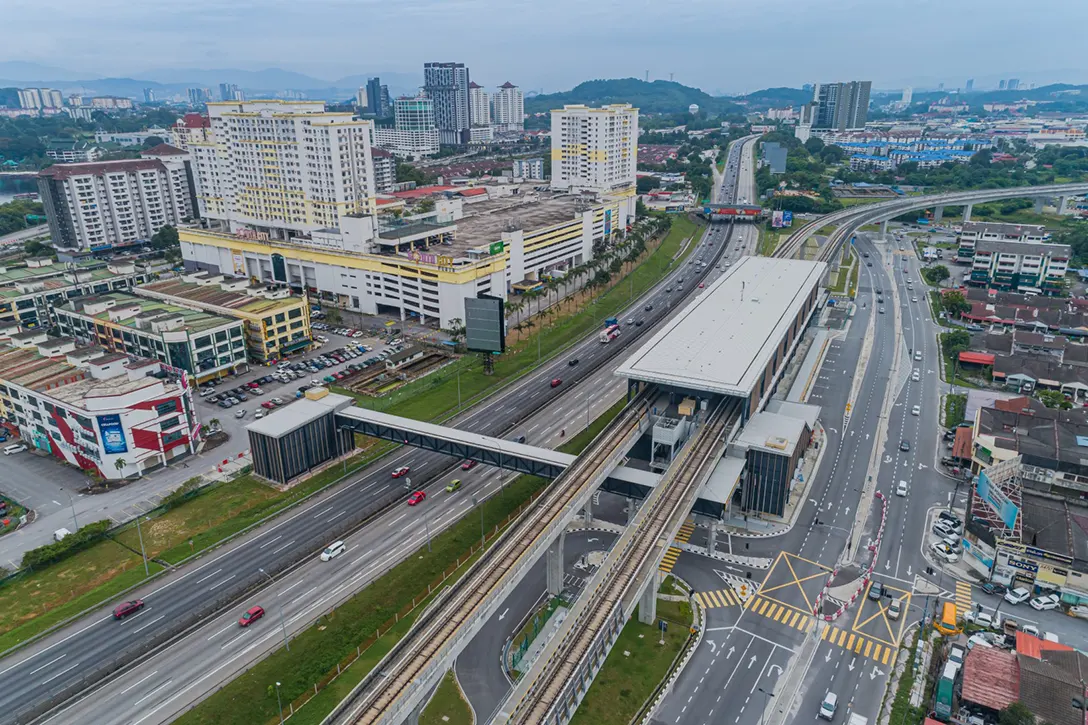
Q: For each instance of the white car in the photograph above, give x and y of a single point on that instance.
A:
(240, 414)
(1045, 602)
(901, 489)
(943, 552)
(978, 640)
(916, 410)
(1030, 629)
(1080, 611)
(982, 619)
(916, 376)
(14, 448)
(1015, 596)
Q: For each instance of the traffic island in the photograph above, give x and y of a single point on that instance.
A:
(447, 705)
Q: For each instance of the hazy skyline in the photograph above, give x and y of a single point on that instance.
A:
(717, 45)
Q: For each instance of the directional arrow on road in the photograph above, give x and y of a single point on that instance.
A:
(833, 430)
(751, 662)
(713, 646)
(730, 652)
(887, 565)
(921, 466)
(501, 616)
(772, 668)
(908, 570)
(851, 665)
(847, 511)
(590, 541)
(827, 658)
(875, 673)
(866, 436)
(887, 459)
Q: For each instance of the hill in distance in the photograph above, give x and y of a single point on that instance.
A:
(653, 97)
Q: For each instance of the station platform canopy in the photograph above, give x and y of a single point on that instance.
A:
(724, 341)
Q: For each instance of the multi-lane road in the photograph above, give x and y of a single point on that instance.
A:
(205, 598)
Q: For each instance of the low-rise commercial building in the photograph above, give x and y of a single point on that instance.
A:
(528, 169)
(973, 232)
(205, 346)
(102, 412)
(277, 323)
(1024, 266)
(29, 294)
(72, 151)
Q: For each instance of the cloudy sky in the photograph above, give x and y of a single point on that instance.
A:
(718, 45)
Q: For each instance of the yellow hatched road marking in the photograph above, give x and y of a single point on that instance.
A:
(826, 632)
(869, 647)
(857, 647)
(762, 606)
(794, 618)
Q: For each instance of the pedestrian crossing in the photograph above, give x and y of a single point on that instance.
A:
(718, 598)
(789, 616)
(860, 645)
(963, 597)
(673, 553)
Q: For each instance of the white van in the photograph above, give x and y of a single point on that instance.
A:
(828, 706)
(918, 355)
(333, 550)
(901, 489)
(14, 448)
(60, 534)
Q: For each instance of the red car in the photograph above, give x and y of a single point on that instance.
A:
(468, 465)
(701, 285)
(268, 404)
(252, 385)
(557, 382)
(124, 609)
(252, 615)
(416, 497)
(402, 471)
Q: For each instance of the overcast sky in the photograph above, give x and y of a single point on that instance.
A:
(718, 45)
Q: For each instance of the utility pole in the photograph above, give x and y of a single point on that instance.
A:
(283, 626)
(143, 554)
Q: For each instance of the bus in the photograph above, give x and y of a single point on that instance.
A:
(946, 623)
(609, 334)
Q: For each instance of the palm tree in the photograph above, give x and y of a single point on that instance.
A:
(120, 464)
(213, 423)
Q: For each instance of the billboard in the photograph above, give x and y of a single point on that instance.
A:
(787, 218)
(990, 491)
(485, 327)
(496, 248)
(113, 435)
(776, 220)
(239, 262)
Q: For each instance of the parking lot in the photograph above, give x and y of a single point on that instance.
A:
(239, 400)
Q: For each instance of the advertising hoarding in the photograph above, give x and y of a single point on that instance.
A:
(485, 327)
(776, 220)
(787, 218)
(113, 435)
(990, 492)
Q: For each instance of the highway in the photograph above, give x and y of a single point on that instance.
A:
(218, 584)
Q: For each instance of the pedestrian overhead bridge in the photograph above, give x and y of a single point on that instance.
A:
(511, 455)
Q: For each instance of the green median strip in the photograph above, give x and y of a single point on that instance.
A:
(447, 705)
(635, 667)
(353, 626)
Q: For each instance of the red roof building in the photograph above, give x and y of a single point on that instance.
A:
(991, 678)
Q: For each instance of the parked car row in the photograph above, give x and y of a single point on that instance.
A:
(345, 331)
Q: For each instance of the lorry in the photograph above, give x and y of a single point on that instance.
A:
(611, 321)
(945, 690)
(609, 334)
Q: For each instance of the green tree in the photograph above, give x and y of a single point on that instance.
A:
(1051, 399)
(424, 206)
(1016, 714)
(34, 248)
(165, 238)
(955, 303)
(120, 464)
(645, 184)
(814, 145)
(936, 274)
(456, 330)
(152, 141)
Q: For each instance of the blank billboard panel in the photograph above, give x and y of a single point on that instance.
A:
(485, 327)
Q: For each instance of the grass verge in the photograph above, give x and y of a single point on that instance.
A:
(31, 604)
(437, 394)
(318, 650)
(447, 705)
(902, 711)
(955, 406)
(633, 670)
(769, 241)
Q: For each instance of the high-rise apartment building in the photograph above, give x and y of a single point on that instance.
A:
(282, 166)
(837, 106)
(99, 205)
(1014, 84)
(414, 134)
(149, 95)
(480, 105)
(377, 98)
(969, 86)
(37, 98)
(447, 84)
(1002, 84)
(360, 98)
(191, 127)
(385, 170)
(508, 108)
(594, 149)
(230, 92)
(198, 96)
(908, 96)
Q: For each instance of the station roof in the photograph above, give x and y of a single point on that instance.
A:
(722, 342)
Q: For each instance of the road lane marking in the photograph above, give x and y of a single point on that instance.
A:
(213, 587)
(209, 576)
(139, 682)
(276, 551)
(280, 594)
(64, 671)
(229, 626)
(141, 629)
(267, 543)
(333, 518)
(42, 667)
(153, 691)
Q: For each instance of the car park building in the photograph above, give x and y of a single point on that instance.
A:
(277, 323)
(105, 413)
(205, 346)
(494, 240)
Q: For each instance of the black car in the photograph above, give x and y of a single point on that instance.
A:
(904, 445)
(638, 323)
(649, 307)
(995, 588)
(876, 591)
(572, 362)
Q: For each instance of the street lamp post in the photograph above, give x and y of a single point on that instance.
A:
(283, 625)
(279, 703)
(72, 501)
(427, 527)
(475, 503)
(143, 554)
(766, 703)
